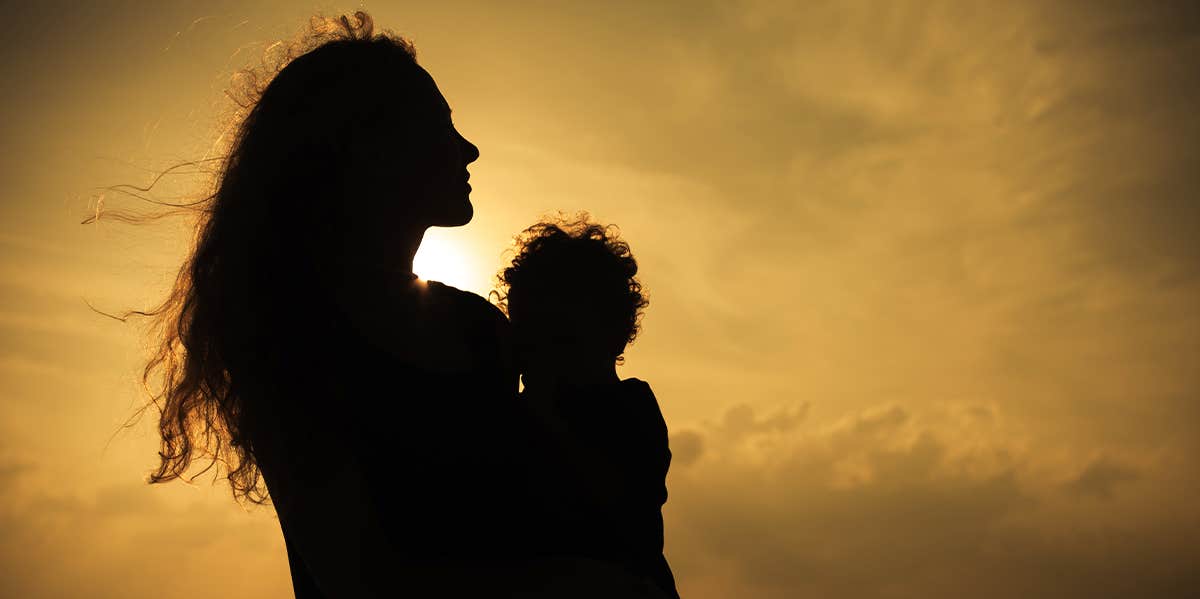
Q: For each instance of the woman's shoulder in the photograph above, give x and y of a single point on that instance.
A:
(463, 303)
(467, 312)
(467, 326)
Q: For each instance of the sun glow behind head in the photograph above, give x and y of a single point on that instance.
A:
(443, 258)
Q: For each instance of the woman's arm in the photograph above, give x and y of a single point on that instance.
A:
(347, 555)
(332, 528)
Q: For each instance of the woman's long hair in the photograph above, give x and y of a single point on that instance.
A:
(249, 291)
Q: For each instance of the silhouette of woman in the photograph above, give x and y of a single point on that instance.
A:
(300, 354)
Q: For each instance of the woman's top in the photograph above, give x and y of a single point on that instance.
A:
(440, 443)
(431, 418)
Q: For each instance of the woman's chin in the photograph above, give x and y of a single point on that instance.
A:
(456, 217)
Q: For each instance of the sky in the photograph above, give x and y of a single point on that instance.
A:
(922, 278)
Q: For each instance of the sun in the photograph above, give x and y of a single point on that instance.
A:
(443, 258)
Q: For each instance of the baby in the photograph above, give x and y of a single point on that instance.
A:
(574, 303)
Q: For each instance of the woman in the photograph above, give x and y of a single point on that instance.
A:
(300, 353)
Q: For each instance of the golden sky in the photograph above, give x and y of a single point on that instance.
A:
(923, 278)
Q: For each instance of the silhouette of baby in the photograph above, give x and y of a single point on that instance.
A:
(575, 303)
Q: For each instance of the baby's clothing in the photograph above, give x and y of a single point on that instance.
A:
(622, 424)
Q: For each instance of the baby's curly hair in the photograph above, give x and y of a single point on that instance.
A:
(569, 259)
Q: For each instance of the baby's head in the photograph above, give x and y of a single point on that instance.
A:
(572, 295)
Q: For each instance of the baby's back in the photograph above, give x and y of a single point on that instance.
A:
(623, 425)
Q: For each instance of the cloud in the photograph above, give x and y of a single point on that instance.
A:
(879, 420)
(1101, 476)
(9, 472)
(879, 503)
(122, 539)
(740, 420)
(686, 447)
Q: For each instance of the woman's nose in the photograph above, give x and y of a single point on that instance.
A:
(469, 151)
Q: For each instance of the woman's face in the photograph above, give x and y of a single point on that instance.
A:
(437, 164)
(408, 172)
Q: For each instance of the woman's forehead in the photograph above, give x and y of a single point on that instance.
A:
(427, 91)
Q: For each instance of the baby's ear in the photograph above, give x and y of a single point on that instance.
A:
(616, 344)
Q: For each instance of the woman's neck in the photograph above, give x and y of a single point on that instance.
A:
(369, 277)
